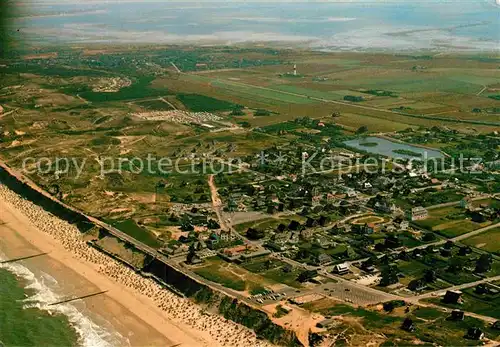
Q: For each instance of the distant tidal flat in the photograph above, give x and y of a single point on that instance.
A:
(462, 25)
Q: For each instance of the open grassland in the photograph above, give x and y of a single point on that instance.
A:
(231, 276)
(431, 324)
(275, 271)
(429, 97)
(449, 222)
(488, 241)
(484, 304)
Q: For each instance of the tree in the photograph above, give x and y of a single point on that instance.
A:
(389, 276)
(428, 237)
(186, 225)
(362, 129)
(255, 234)
(456, 265)
(490, 155)
(212, 224)
(245, 124)
(237, 112)
(483, 264)
(429, 275)
(449, 244)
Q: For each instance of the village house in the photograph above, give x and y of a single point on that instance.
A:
(384, 206)
(457, 315)
(417, 285)
(306, 234)
(403, 226)
(316, 200)
(452, 297)
(408, 325)
(474, 334)
(324, 259)
(226, 236)
(417, 213)
(341, 269)
(231, 252)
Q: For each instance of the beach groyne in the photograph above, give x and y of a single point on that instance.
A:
(155, 267)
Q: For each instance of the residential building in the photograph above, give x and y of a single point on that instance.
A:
(408, 325)
(457, 315)
(417, 285)
(341, 269)
(465, 203)
(474, 334)
(324, 259)
(417, 213)
(452, 297)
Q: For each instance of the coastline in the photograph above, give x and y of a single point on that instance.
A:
(136, 307)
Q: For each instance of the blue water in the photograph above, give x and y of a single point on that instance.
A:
(357, 25)
(386, 148)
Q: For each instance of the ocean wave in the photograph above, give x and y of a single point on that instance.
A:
(90, 334)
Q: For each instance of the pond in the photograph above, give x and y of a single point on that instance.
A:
(393, 149)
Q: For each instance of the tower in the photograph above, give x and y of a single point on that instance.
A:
(295, 69)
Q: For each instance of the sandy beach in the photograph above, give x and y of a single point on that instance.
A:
(137, 308)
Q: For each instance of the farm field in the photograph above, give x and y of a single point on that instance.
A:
(487, 241)
(484, 304)
(449, 222)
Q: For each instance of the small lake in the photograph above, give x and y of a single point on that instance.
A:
(385, 147)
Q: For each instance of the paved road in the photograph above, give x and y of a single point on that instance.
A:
(216, 205)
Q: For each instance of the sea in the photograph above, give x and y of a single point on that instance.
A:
(28, 319)
(334, 25)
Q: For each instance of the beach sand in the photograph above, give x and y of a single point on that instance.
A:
(104, 310)
(138, 308)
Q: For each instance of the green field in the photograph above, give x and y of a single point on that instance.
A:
(131, 228)
(332, 95)
(141, 88)
(432, 326)
(448, 221)
(488, 241)
(484, 304)
(232, 276)
(155, 105)
(273, 270)
(262, 94)
(202, 103)
(215, 274)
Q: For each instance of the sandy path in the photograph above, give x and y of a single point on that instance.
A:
(179, 320)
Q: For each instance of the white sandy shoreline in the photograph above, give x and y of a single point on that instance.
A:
(178, 321)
